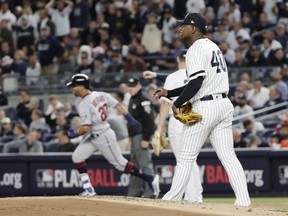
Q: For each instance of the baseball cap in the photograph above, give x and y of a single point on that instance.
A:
(6, 120)
(195, 19)
(183, 53)
(79, 79)
(132, 81)
(281, 25)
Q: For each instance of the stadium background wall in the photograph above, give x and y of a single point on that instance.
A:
(53, 174)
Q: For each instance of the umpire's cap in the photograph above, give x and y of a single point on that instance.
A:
(132, 81)
(79, 79)
(195, 19)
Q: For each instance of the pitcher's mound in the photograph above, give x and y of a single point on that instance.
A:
(118, 206)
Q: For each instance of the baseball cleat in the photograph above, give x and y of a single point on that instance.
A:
(155, 185)
(88, 192)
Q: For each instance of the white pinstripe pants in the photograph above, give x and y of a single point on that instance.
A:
(217, 125)
(193, 191)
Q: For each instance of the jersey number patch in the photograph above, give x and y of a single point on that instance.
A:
(102, 111)
(218, 61)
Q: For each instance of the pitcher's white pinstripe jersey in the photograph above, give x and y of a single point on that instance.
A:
(204, 58)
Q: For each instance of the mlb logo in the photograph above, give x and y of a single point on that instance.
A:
(165, 172)
(283, 174)
(45, 175)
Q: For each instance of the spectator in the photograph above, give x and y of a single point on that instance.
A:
(223, 8)
(23, 112)
(220, 34)
(3, 98)
(85, 51)
(86, 67)
(234, 12)
(33, 70)
(134, 63)
(178, 47)
(38, 121)
(280, 139)
(70, 111)
(168, 25)
(271, 37)
(51, 111)
(120, 25)
(5, 34)
(237, 31)
(7, 66)
(165, 59)
(152, 36)
(274, 98)
(263, 22)
(280, 84)
(100, 22)
(61, 121)
(245, 46)
(258, 96)
(257, 59)
(30, 144)
(24, 33)
(49, 50)
(228, 53)
(100, 68)
(79, 16)
(19, 131)
(116, 65)
(247, 22)
(6, 50)
(6, 14)
(242, 107)
(63, 145)
(278, 58)
(90, 35)
(6, 130)
(281, 35)
(239, 142)
(240, 61)
(60, 16)
(20, 63)
(195, 6)
(250, 133)
(44, 20)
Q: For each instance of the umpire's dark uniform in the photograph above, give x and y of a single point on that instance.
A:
(140, 108)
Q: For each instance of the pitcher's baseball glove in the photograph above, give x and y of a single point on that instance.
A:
(187, 116)
(159, 143)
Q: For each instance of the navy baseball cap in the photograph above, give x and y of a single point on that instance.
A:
(195, 19)
(132, 81)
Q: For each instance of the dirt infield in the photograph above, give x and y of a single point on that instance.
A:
(120, 206)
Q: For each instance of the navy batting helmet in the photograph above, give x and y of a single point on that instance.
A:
(79, 79)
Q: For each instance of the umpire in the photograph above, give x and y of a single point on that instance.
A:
(140, 108)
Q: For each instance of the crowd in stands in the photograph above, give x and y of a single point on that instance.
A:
(101, 37)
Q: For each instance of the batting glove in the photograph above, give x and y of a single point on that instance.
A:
(71, 133)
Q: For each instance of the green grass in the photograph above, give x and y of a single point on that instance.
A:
(278, 203)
